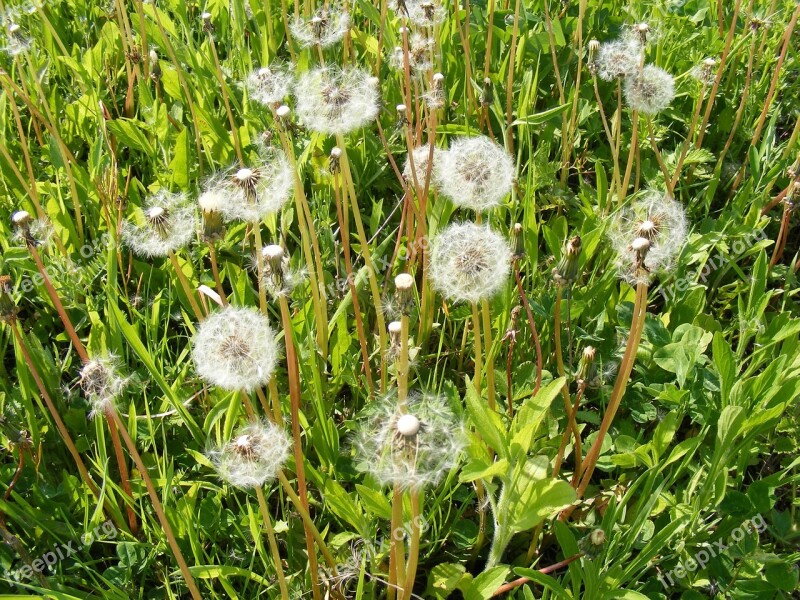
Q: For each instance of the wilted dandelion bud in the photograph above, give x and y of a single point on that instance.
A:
(18, 42)
(254, 456)
(619, 58)
(270, 85)
(325, 28)
(566, 273)
(211, 203)
(469, 262)
(155, 67)
(102, 384)
(335, 159)
(587, 370)
(487, 93)
(394, 328)
(169, 223)
(208, 26)
(336, 101)
(235, 349)
(254, 192)
(647, 235)
(793, 171)
(8, 307)
(475, 173)
(404, 292)
(411, 447)
(22, 221)
(517, 241)
(650, 91)
(642, 30)
(279, 279)
(434, 98)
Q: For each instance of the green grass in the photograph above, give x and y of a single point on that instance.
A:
(703, 448)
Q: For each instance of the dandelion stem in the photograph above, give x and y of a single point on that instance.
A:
(571, 425)
(157, 506)
(623, 191)
(657, 152)
(212, 255)
(293, 368)
(532, 324)
(687, 142)
(476, 336)
(637, 326)
(262, 292)
(273, 543)
(123, 471)
(396, 547)
(371, 272)
(488, 347)
(413, 547)
(51, 291)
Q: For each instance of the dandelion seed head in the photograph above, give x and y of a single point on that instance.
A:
(169, 224)
(420, 156)
(102, 384)
(235, 349)
(270, 85)
(705, 72)
(252, 193)
(420, 54)
(324, 29)
(475, 173)
(336, 101)
(422, 13)
(619, 58)
(647, 236)
(254, 456)
(469, 262)
(650, 91)
(412, 447)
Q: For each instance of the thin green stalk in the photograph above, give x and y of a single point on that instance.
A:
(273, 544)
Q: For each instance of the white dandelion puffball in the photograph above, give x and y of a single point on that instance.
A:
(414, 447)
(252, 193)
(235, 349)
(419, 156)
(169, 224)
(324, 29)
(336, 101)
(475, 173)
(102, 384)
(650, 91)
(469, 262)
(270, 85)
(255, 455)
(647, 236)
(420, 54)
(619, 58)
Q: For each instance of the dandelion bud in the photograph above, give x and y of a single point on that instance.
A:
(102, 384)
(8, 308)
(413, 447)
(566, 273)
(469, 262)
(208, 26)
(794, 169)
(279, 280)
(592, 544)
(517, 241)
(404, 290)
(475, 173)
(650, 91)
(642, 29)
(235, 349)
(594, 47)
(254, 456)
(394, 328)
